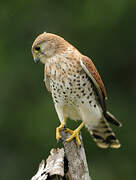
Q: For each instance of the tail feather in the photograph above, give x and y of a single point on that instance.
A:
(104, 136)
(110, 118)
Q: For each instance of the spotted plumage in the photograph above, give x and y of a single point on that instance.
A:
(76, 87)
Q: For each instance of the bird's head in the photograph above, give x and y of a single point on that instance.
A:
(47, 45)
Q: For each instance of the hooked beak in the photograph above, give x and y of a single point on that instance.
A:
(36, 59)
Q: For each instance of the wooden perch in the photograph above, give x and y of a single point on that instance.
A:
(54, 166)
(65, 164)
(76, 158)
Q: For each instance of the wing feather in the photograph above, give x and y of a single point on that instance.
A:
(92, 72)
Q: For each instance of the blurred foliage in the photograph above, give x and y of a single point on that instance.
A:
(103, 30)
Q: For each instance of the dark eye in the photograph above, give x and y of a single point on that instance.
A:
(37, 48)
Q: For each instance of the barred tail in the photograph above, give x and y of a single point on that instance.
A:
(104, 136)
(110, 118)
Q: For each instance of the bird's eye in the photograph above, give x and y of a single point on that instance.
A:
(37, 48)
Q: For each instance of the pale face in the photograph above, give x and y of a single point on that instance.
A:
(46, 45)
(43, 51)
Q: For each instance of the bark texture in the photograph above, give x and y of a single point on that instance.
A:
(68, 163)
(76, 157)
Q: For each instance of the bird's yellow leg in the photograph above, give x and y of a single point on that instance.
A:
(75, 134)
(58, 129)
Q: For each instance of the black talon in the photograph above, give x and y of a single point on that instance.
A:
(79, 146)
(59, 140)
(64, 128)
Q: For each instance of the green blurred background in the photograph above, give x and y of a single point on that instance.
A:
(103, 30)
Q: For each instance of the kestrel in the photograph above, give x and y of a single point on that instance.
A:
(77, 89)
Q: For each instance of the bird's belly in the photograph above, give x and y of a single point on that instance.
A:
(78, 98)
(71, 112)
(91, 114)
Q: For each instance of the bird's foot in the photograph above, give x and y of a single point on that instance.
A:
(58, 129)
(74, 134)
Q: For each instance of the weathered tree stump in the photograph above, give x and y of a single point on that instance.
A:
(68, 163)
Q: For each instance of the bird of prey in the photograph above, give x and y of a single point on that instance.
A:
(77, 89)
